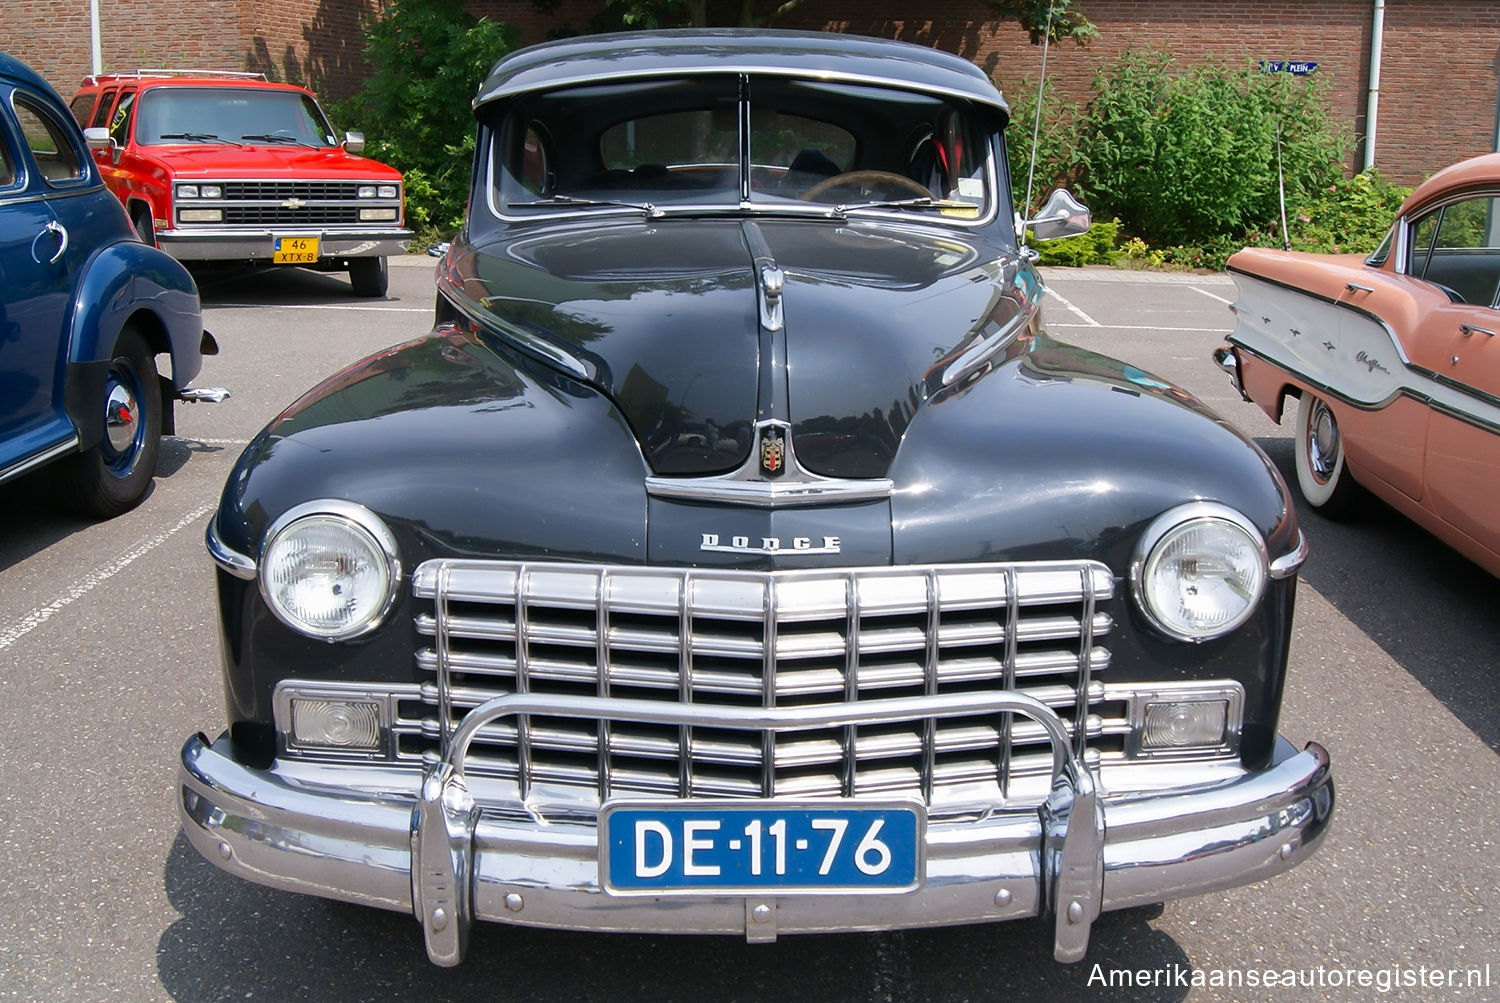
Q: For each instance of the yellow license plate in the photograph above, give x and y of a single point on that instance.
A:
(295, 251)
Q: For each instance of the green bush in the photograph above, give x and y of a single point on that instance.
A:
(1100, 246)
(1351, 215)
(1055, 142)
(429, 58)
(1190, 156)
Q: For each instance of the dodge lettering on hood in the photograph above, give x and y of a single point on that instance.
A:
(738, 554)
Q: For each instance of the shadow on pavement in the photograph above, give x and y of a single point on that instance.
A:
(238, 940)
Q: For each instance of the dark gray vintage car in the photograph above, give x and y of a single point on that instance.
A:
(739, 555)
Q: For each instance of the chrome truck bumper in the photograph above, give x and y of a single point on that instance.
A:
(256, 245)
(433, 853)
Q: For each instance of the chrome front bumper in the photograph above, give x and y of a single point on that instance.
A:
(256, 245)
(433, 853)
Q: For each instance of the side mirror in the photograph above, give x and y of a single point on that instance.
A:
(97, 138)
(354, 142)
(1062, 216)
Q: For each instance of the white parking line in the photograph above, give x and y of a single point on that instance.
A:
(31, 621)
(1087, 320)
(1200, 289)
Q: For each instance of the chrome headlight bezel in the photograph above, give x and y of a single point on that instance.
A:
(1169, 528)
(369, 538)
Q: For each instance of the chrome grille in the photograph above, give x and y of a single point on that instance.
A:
(276, 215)
(760, 639)
(280, 191)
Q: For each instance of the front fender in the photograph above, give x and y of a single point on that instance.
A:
(124, 282)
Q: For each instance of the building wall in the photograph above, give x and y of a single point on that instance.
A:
(1438, 88)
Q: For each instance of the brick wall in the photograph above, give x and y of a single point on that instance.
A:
(1437, 95)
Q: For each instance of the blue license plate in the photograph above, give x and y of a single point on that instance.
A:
(712, 847)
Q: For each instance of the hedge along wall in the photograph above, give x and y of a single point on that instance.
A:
(1440, 75)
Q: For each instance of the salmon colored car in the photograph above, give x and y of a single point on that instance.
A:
(1393, 359)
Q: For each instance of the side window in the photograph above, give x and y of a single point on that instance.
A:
(1457, 248)
(50, 146)
(101, 110)
(119, 125)
(80, 107)
(7, 163)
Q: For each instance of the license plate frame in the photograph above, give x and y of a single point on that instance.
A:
(295, 249)
(898, 825)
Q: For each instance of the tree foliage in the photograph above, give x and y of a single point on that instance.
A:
(427, 57)
(1037, 16)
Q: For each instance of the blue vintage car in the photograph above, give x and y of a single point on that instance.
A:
(86, 313)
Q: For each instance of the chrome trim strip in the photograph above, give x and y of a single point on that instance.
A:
(1289, 563)
(231, 560)
(747, 486)
(45, 456)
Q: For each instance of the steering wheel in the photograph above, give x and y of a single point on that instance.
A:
(865, 178)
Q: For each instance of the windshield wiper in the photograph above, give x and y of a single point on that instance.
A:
(555, 200)
(277, 138)
(918, 202)
(198, 137)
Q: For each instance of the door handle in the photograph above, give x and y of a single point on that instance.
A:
(57, 230)
(1469, 330)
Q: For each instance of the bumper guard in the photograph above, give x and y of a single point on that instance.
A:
(436, 854)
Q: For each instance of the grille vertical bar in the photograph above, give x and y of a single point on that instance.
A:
(602, 657)
(684, 684)
(768, 690)
(1008, 676)
(523, 680)
(1085, 649)
(851, 680)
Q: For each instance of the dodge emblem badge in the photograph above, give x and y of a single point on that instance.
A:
(772, 450)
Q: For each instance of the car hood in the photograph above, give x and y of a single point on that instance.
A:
(665, 317)
(268, 162)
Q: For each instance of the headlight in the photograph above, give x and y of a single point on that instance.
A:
(330, 570)
(388, 191)
(366, 191)
(1199, 571)
(200, 191)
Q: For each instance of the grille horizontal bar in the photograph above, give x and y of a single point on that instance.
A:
(760, 639)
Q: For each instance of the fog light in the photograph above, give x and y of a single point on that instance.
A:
(377, 215)
(336, 724)
(200, 215)
(1184, 724)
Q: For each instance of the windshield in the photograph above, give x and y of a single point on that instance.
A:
(742, 142)
(231, 115)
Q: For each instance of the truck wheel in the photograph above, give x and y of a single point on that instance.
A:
(369, 276)
(1321, 474)
(141, 219)
(113, 476)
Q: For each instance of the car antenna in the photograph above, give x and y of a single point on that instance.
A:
(1036, 125)
(1286, 236)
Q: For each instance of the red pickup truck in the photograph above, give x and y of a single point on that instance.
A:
(219, 166)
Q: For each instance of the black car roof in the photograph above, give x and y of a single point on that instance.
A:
(826, 55)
